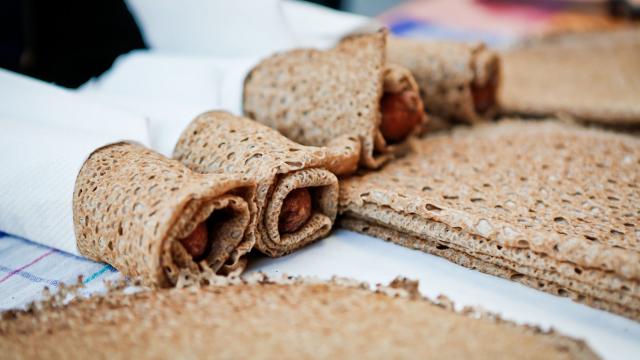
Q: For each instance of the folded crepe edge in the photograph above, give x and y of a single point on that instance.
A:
(367, 147)
(432, 245)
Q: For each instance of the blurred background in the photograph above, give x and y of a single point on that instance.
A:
(68, 42)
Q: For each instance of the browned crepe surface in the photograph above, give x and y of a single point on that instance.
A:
(218, 142)
(446, 73)
(131, 205)
(552, 204)
(297, 319)
(329, 98)
(592, 77)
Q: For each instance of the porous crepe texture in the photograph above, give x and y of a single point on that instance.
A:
(218, 142)
(548, 204)
(330, 98)
(229, 321)
(445, 73)
(592, 77)
(131, 205)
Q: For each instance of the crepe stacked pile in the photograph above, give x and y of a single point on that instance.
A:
(552, 206)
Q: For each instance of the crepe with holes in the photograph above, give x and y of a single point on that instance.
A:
(550, 205)
(228, 320)
(131, 206)
(333, 98)
(218, 142)
(592, 77)
(458, 81)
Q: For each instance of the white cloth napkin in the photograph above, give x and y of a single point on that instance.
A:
(194, 63)
(171, 90)
(212, 27)
(316, 26)
(46, 134)
(239, 28)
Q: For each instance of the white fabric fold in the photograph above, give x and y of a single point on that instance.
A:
(170, 90)
(212, 27)
(46, 134)
(317, 26)
(192, 68)
(239, 28)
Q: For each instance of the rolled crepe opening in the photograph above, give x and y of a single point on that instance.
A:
(400, 106)
(320, 186)
(132, 206)
(335, 99)
(296, 210)
(484, 88)
(217, 142)
(214, 233)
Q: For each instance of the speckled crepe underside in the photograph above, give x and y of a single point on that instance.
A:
(281, 320)
(551, 205)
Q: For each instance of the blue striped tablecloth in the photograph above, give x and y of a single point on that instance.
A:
(26, 268)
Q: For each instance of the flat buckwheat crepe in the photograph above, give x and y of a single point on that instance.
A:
(457, 81)
(547, 204)
(592, 77)
(349, 99)
(283, 319)
(296, 199)
(151, 217)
